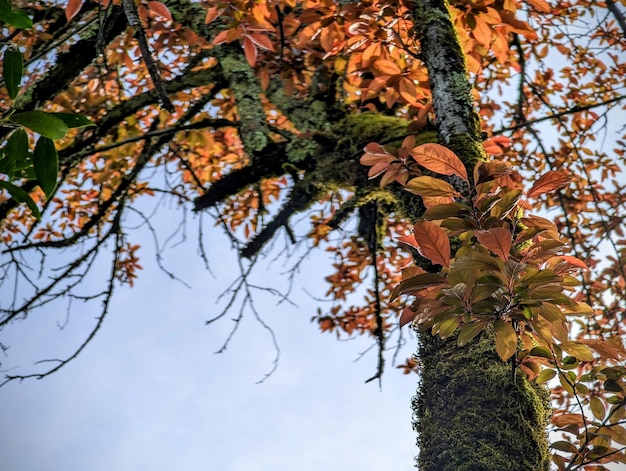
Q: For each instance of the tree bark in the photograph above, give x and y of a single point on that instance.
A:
(470, 412)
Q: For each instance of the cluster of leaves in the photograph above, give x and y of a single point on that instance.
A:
(511, 274)
(17, 162)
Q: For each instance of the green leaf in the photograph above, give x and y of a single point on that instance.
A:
(447, 327)
(73, 120)
(13, 66)
(540, 351)
(545, 376)
(468, 332)
(613, 386)
(46, 163)
(43, 123)
(21, 196)
(14, 17)
(562, 445)
(15, 151)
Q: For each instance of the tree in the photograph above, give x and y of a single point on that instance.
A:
(255, 112)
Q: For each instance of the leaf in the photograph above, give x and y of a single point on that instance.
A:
(597, 408)
(446, 327)
(21, 196)
(261, 41)
(578, 350)
(73, 120)
(605, 348)
(14, 17)
(408, 240)
(545, 376)
(497, 239)
(386, 67)
(250, 50)
(506, 339)
(416, 283)
(553, 180)
(12, 69)
(562, 445)
(407, 316)
(43, 123)
(72, 8)
(429, 186)
(468, 332)
(540, 5)
(433, 242)
(160, 9)
(407, 90)
(439, 159)
(46, 163)
(444, 211)
(16, 150)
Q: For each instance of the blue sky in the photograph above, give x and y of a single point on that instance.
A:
(149, 392)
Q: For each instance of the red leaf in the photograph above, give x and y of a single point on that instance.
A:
(496, 239)
(440, 159)
(73, 7)
(407, 316)
(433, 242)
(553, 180)
(160, 9)
(408, 240)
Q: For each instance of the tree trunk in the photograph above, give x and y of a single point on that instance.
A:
(470, 412)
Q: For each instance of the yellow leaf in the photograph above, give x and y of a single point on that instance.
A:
(506, 339)
(429, 186)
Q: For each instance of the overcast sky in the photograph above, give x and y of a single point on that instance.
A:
(149, 392)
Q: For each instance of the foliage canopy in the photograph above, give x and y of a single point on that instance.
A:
(254, 112)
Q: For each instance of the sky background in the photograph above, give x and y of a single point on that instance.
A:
(149, 392)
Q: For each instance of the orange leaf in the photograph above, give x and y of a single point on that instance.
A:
(433, 242)
(261, 41)
(407, 89)
(553, 180)
(160, 9)
(540, 5)
(73, 7)
(429, 186)
(250, 50)
(496, 239)
(213, 13)
(440, 159)
(386, 67)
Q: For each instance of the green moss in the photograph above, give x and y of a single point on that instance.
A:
(356, 131)
(246, 90)
(476, 418)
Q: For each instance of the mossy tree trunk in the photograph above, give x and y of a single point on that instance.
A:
(470, 413)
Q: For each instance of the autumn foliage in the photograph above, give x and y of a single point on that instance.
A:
(252, 113)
